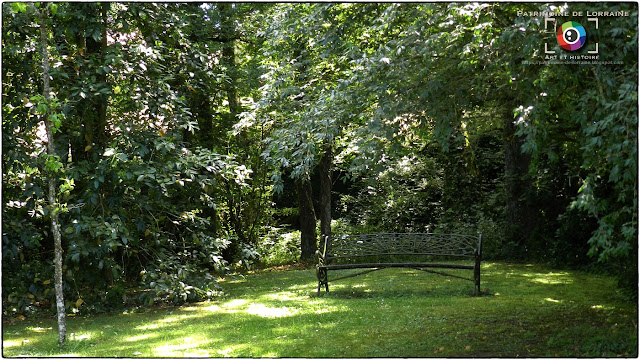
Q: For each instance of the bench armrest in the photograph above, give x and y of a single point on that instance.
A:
(323, 254)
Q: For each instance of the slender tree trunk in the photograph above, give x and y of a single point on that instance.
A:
(325, 192)
(53, 203)
(308, 239)
(101, 134)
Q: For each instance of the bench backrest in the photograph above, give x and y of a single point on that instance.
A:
(348, 246)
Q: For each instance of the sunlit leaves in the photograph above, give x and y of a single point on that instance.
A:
(599, 128)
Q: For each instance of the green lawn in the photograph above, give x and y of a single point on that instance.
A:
(528, 311)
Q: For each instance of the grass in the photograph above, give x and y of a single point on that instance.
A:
(527, 311)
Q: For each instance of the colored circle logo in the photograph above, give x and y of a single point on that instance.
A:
(571, 35)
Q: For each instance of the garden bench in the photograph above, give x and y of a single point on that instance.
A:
(421, 251)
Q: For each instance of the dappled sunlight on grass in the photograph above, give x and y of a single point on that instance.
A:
(325, 310)
(229, 351)
(390, 313)
(229, 307)
(212, 308)
(602, 307)
(550, 278)
(39, 329)
(11, 343)
(284, 296)
(235, 303)
(80, 337)
(269, 312)
(161, 322)
(185, 344)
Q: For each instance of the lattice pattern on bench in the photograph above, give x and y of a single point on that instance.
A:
(402, 249)
(401, 244)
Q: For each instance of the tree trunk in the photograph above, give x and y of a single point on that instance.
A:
(96, 129)
(92, 109)
(308, 240)
(325, 192)
(53, 203)
(228, 34)
(520, 215)
(101, 134)
(238, 211)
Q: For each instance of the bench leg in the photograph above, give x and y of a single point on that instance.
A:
(326, 286)
(322, 279)
(476, 278)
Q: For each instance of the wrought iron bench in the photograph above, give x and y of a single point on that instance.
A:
(406, 250)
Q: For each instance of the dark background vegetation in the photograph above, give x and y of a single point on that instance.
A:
(195, 139)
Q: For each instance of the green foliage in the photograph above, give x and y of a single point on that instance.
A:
(279, 247)
(141, 223)
(603, 143)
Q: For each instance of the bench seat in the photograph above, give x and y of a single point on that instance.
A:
(394, 265)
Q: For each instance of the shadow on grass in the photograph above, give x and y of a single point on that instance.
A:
(391, 313)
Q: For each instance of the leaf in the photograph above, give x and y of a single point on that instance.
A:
(46, 282)
(467, 347)
(19, 7)
(87, 148)
(79, 302)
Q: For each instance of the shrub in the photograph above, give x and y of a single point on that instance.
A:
(279, 246)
